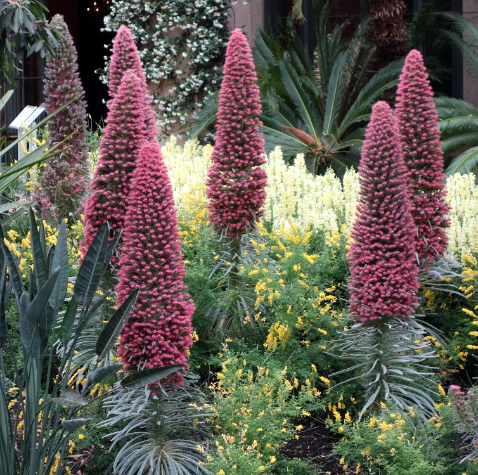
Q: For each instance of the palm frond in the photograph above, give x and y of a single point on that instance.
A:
(308, 112)
(448, 107)
(385, 79)
(206, 117)
(466, 162)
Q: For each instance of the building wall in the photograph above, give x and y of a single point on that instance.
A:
(249, 17)
(470, 75)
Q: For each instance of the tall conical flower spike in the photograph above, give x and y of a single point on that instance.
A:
(124, 135)
(417, 121)
(125, 57)
(236, 182)
(158, 331)
(384, 278)
(64, 181)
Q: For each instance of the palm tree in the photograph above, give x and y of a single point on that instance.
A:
(390, 31)
(458, 119)
(319, 107)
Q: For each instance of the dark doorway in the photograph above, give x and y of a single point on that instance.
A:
(85, 22)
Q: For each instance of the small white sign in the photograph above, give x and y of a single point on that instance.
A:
(22, 123)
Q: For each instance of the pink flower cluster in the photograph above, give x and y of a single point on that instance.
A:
(236, 182)
(418, 120)
(63, 183)
(125, 57)
(158, 331)
(464, 406)
(384, 272)
(124, 135)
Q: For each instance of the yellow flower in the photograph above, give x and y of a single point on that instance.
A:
(262, 468)
(81, 436)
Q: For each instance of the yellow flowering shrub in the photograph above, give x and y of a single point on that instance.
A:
(256, 405)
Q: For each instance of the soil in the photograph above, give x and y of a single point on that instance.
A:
(315, 443)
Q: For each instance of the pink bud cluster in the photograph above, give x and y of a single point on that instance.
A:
(384, 273)
(418, 120)
(64, 183)
(125, 57)
(236, 182)
(158, 331)
(464, 407)
(124, 135)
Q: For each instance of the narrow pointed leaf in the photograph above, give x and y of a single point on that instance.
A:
(91, 269)
(97, 376)
(70, 398)
(148, 376)
(75, 424)
(39, 257)
(113, 328)
(68, 321)
(38, 305)
(60, 259)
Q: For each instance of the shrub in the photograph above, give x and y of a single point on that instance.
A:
(64, 181)
(258, 406)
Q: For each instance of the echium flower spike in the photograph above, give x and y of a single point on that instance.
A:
(384, 272)
(64, 181)
(236, 182)
(417, 121)
(124, 135)
(158, 331)
(125, 57)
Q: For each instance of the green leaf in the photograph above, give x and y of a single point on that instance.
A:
(112, 248)
(334, 94)
(68, 321)
(38, 305)
(113, 328)
(75, 424)
(303, 103)
(3, 287)
(14, 204)
(14, 273)
(29, 333)
(60, 259)
(98, 375)
(39, 258)
(5, 99)
(466, 162)
(92, 268)
(148, 376)
(70, 398)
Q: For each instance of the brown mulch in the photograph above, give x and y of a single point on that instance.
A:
(315, 443)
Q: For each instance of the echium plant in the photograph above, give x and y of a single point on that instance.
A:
(159, 330)
(124, 135)
(236, 182)
(64, 182)
(418, 120)
(35, 428)
(181, 43)
(386, 344)
(125, 57)
(465, 414)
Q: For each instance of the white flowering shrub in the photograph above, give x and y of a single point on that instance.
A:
(181, 44)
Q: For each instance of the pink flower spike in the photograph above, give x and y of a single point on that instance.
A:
(124, 135)
(236, 182)
(384, 272)
(158, 332)
(63, 184)
(125, 57)
(418, 120)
